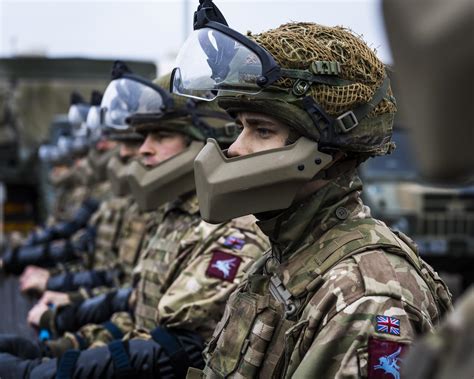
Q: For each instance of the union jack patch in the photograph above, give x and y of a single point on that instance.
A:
(389, 325)
(234, 242)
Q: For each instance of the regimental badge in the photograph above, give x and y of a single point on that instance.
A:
(387, 324)
(385, 358)
(234, 242)
(223, 266)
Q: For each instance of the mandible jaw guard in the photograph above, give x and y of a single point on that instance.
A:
(260, 182)
(153, 187)
(117, 173)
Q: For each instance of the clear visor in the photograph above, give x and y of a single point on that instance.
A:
(80, 144)
(77, 114)
(93, 118)
(93, 124)
(212, 63)
(65, 144)
(48, 153)
(125, 97)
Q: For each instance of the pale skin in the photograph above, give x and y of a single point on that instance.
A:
(157, 147)
(260, 132)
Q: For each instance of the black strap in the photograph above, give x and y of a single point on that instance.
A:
(363, 110)
(113, 329)
(67, 364)
(178, 357)
(123, 368)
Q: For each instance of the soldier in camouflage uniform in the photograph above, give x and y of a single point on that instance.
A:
(449, 351)
(339, 294)
(117, 218)
(105, 222)
(187, 270)
(50, 245)
(61, 177)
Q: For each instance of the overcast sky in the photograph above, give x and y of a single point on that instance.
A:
(154, 29)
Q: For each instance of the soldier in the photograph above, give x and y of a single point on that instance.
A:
(39, 249)
(339, 294)
(187, 270)
(105, 270)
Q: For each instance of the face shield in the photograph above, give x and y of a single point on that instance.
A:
(211, 63)
(77, 114)
(129, 95)
(269, 180)
(49, 154)
(65, 144)
(216, 60)
(152, 187)
(93, 124)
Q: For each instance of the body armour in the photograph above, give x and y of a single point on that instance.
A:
(108, 221)
(346, 300)
(137, 229)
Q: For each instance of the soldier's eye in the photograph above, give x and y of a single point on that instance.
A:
(264, 132)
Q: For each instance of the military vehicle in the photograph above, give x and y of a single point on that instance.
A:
(32, 91)
(439, 219)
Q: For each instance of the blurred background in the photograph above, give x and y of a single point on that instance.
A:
(50, 48)
(153, 30)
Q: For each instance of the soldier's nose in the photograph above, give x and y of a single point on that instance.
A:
(146, 149)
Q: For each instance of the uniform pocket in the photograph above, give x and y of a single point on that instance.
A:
(230, 343)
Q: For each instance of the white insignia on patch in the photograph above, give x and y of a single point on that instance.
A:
(192, 285)
(224, 266)
(390, 364)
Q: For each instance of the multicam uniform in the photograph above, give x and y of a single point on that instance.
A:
(335, 306)
(186, 280)
(136, 230)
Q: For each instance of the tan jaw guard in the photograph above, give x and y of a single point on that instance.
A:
(117, 174)
(165, 182)
(265, 181)
(98, 162)
(65, 179)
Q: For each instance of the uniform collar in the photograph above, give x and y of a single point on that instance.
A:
(187, 203)
(306, 221)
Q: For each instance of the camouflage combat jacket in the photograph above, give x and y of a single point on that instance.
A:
(346, 300)
(63, 206)
(189, 279)
(119, 243)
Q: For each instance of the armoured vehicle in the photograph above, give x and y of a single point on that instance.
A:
(439, 219)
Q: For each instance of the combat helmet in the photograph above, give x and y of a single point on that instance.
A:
(323, 82)
(138, 105)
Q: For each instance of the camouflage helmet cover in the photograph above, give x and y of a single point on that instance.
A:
(331, 51)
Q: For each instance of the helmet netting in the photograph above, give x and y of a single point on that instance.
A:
(297, 45)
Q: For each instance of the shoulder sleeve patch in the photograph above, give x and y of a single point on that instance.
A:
(385, 358)
(223, 266)
(234, 242)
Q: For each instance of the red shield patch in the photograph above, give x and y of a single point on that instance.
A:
(385, 359)
(223, 266)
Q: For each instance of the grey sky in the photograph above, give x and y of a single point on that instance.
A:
(154, 29)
